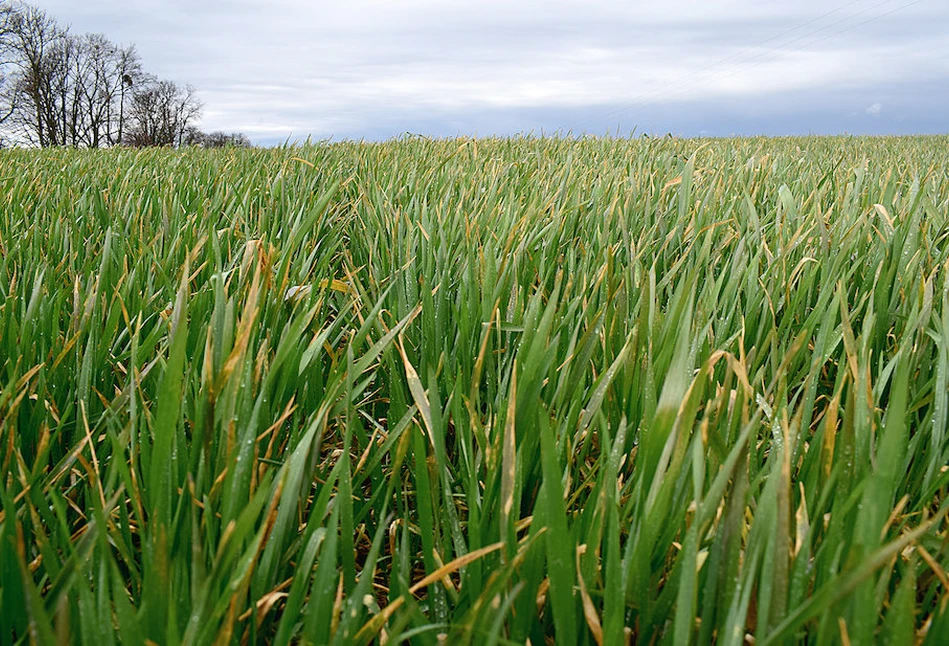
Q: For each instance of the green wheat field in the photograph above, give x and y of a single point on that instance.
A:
(477, 391)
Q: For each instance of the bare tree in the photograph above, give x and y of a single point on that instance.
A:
(217, 139)
(7, 11)
(38, 59)
(7, 22)
(161, 113)
(62, 106)
(129, 67)
(105, 74)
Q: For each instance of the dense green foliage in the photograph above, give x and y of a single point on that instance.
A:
(489, 390)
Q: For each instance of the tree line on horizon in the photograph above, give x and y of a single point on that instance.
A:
(58, 88)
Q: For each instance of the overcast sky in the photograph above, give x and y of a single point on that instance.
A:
(288, 69)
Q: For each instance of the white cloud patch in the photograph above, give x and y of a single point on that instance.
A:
(874, 109)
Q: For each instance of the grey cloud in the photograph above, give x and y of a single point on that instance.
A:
(292, 67)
